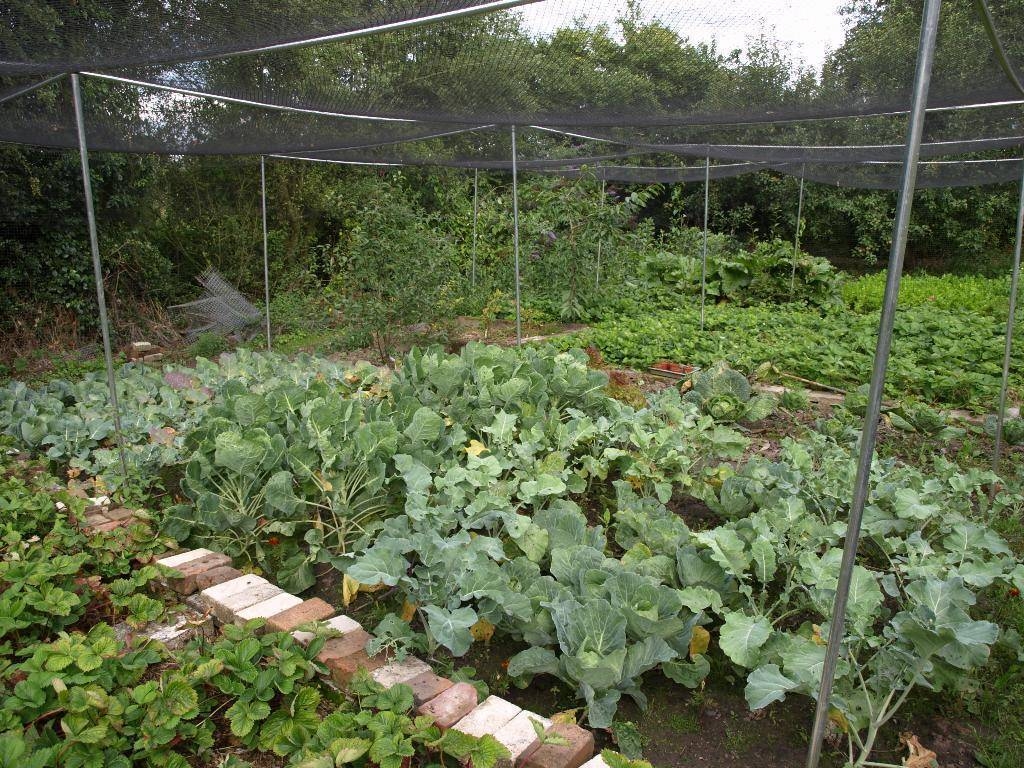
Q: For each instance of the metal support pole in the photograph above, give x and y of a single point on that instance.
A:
(704, 248)
(915, 127)
(597, 276)
(515, 236)
(796, 238)
(1007, 347)
(97, 269)
(266, 259)
(476, 217)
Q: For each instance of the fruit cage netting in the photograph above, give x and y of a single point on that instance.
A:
(642, 91)
(910, 93)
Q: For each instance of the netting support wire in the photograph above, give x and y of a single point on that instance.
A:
(266, 258)
(796, 238)
(476, 216)
(97, 269)
(915, 127)
(515, 236)
(30, 88)
(1008, 345)
(704, 246)
(600, 239)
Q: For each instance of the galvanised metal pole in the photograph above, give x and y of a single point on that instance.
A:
(1007, 347)
(266, 259)
(915, 127)
(97, 268)
(515, 236)
(704, 248)
(796, 239)
(597, 276)
(476, 216)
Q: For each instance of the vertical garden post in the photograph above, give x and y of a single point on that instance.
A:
(704, 247)
(1007, 347)
(597, 276)
(97, 268)
(515, 236)
(796, 238)
(476, 216)
(266, 260)
(915, 127)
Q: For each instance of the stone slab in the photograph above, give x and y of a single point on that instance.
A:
(264, 609)
(400, 671)
(491, 715)
(597, 761)
(306, 612)
(343, 624)
(451, 705)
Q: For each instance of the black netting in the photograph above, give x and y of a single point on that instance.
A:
(656, 86)
(70, 36)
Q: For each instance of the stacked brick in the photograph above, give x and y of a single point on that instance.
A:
(100, 516)
(233, 597)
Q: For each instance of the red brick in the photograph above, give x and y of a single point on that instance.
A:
(216, 576)
(427, 686)
(186, 584)
(107, 526)
(579, 749)
(308, 611)
(349, 643)
(450, 706)
(344, 667)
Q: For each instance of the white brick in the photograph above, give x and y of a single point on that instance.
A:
(185, 557)
(267, 608)
(490, 716)
(234, 586)
(340, 624)
(595, 762)
(227, 607)
(518, 735)
(400, 671)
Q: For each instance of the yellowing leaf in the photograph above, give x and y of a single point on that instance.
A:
(816, 637)
(408, 611)
(327, 486)
(372, 587)
(349, 589)
(475, 448)
(920, 756)
(482, 630)
(839, 719)
(699, 641)
(568, 717)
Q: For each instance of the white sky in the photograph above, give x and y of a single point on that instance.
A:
(812, 27)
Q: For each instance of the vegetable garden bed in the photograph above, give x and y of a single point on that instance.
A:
(501, 495)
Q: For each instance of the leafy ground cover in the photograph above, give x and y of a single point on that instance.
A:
(503, 492)
(983, 295)
(950, 358)
(77, 690)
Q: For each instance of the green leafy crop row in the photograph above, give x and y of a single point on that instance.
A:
(950, 357)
